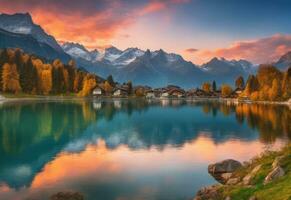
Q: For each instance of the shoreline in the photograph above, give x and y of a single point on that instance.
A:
(4, 99)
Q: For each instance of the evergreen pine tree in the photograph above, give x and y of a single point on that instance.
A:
(214, 86)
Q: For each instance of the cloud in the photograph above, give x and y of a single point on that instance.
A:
(91, 22)
(264, 50)
(190, 50)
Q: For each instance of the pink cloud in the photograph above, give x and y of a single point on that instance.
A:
(191, 50)
(264, 50)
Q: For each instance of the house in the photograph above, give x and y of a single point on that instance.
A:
(191, 93)
(150, 94)
(177, 92)
(97, 91)
(165, 94)
(238, 91)
(120, 91)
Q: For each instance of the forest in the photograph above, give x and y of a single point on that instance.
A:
(269, 84)
(29, 74)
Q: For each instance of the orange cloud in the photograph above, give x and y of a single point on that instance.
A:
(90, 22)
(258, 51)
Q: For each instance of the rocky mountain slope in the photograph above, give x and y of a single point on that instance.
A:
(19, 31)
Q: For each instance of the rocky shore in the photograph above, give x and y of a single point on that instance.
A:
(262, 178)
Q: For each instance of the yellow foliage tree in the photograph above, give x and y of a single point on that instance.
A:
(226, 90)
(46, 81)
(275, 90)
(107, 87)
(88, 86)
(140, 92)
(206, 87)
(10, 78)
(66, 79)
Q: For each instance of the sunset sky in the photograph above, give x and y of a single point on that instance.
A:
(257, 30)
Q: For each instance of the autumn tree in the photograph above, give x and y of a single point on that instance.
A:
(266, 74)
(286, 84)
(107, 87)
(226, 90)
(10, 78)
(46, 79)
(78, 81)
(72, 73)
(252, 85)
(275, 91)
(58, 78)
(139, 92)
(206, 87)
(111, 81)
(239, 82)
(88, 85)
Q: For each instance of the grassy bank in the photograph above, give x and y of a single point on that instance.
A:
(279, 189)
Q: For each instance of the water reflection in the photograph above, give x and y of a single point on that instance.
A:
(128, 149)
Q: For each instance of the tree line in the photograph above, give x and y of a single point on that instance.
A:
(24, 73)
(269, 84)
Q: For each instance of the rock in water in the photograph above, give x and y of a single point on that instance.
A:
(274, 174)
(221, 171)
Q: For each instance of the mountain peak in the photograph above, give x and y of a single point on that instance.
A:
(22, 23)
(17, 16)
(113, 50)
(68, 45)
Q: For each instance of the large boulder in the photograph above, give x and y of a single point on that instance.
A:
(223, 170)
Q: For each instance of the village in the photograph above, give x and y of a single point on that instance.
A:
(170, 91)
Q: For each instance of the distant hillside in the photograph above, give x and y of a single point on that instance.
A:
(284, 62)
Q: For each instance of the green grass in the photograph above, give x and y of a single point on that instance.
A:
(279, 189)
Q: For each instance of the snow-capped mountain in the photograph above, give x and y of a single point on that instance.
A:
(221, 65)
(77, 51)
(111, 55)
(128, 56)
(156, 68)
(226, 71)
(23, 24)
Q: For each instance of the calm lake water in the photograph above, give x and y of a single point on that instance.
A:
(128, 149)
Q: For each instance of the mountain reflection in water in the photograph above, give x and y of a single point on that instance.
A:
(128, 149)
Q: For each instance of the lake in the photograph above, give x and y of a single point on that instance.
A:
(128, 149)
